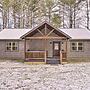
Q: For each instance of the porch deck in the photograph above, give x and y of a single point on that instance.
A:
(36, 56)
(42, 56)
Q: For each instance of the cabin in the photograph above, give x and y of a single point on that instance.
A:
(45, 44)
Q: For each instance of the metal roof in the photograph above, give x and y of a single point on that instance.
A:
(77, 33)
(12, 33)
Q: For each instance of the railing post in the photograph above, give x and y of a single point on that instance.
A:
(61, 57)
(45, 57)
(66, 50)
(25, 49)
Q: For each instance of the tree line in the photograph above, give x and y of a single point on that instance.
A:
(28, 13)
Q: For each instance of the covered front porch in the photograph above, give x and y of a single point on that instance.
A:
(45, 44)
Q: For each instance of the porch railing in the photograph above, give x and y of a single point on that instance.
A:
(36, 55)
(63, 56)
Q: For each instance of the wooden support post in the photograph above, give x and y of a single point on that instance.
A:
(66, 50)
(45, 56)
(45, 51)
(45, 29)
(61, 57)
(24, 49)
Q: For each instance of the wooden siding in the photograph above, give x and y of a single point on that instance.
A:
(79, 55)
(71, 55)
(14, 54)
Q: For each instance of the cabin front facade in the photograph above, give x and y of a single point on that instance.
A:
(44, 44)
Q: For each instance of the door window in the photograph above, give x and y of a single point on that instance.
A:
(56, 46)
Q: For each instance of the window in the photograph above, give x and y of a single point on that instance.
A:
(56, 46)
(11, 46)
(74, 46)
(77, 46)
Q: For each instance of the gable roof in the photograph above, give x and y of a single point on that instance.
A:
(43, 25)
(77, 33)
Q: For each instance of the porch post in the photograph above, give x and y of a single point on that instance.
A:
(66, 49)
(60, 57)
(45, 52)
(45, 43)
(25, 49)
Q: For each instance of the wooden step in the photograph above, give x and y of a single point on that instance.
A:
(53, 62)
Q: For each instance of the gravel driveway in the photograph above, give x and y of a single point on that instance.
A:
(19, 76)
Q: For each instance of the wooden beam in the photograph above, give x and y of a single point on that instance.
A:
(66, 50)
(60, 57)
(45, 38)
(25, 49)
(45, 29)
(45, 54)
(50, 32)
(40, 32)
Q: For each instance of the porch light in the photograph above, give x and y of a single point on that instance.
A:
(50, 42)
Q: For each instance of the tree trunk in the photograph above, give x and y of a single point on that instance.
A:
(19, 26)
(23, 19)
(49, 15)
(4, 19)
(87, 14)
(74, 16)
(31, 20)
(63, 15)
(28, 18)
(70, 18)
(8, 18)
(14, 17)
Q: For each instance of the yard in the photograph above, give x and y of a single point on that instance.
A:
(19, 76)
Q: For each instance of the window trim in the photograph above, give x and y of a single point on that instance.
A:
(12, 46)
(77, 50)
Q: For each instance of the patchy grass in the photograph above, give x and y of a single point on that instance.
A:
(19, 60)
(75, 62)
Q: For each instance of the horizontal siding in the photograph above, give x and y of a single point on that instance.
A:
(11, 55)
(85, 54)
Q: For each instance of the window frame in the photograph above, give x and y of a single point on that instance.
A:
(77, 47)
(12, 50)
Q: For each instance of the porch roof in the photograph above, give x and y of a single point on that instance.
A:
(49, 26)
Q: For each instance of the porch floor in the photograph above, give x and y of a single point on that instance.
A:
(50, 60)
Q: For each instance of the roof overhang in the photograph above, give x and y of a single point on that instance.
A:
(79, 39)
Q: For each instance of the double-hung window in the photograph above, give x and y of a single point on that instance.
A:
(77, 46)
(11, 46)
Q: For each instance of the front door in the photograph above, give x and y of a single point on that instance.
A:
(56, 48)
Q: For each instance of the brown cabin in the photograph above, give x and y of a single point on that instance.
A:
(45, 44)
